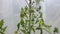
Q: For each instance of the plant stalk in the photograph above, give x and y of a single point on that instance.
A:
(41, 31)
(29, 16)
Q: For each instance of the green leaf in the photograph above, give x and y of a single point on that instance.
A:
(22, 23)
(26, 8)
(4, 28)
(41, 22)
(33, 2)
(22, 12)
(40, 14)
(16, 32)
(31, 11)
(47, 25)
(37, 1)
(38, 8)
(33, 29)
(1, 23)
(33, 19)
(23, 30)
(18, 25)
(55, 30)
(47, 28)
(38, 28)
(1, 32)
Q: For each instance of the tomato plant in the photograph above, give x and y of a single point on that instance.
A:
(31, 19)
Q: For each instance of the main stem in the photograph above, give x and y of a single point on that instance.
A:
(41, 31)
(29, 16)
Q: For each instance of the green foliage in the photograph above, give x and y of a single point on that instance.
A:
(18, 26)
(55, 30)
(2, 29)
(29, 17)
(37, 1)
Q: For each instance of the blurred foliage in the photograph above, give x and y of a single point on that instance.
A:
(55, 30)
(31, 15)
(2, 28)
